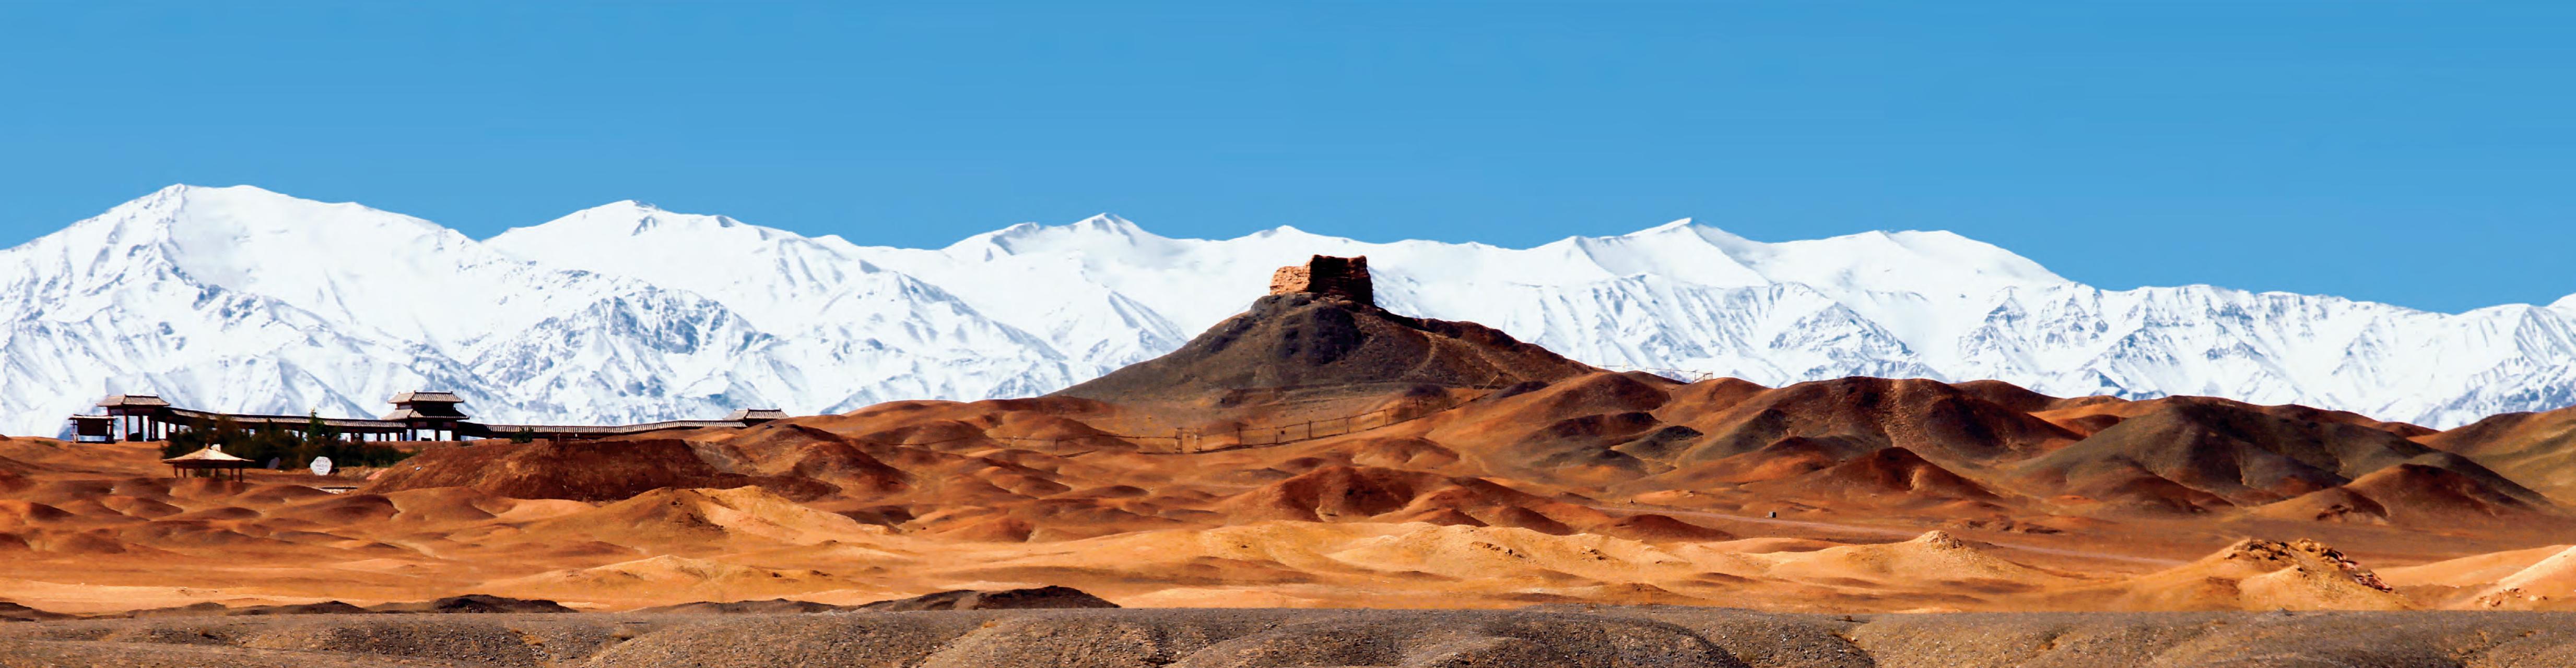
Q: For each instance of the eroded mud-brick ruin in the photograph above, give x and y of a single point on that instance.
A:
(1343, 277)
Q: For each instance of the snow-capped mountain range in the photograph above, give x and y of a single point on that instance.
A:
(247, 300)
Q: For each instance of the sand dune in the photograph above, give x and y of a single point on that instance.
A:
(1932, 560)
(667, 579)
(1491, 553)
(1421, 514)
(2469, 571)
(576, 470)
(2547, 584)
(705, 516)
(2535, 449)
(1493, 474)
(2249, 575)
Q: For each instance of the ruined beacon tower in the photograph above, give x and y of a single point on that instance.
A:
(1338, 277)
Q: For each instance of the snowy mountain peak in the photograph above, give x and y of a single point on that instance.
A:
(247, 238)
(1107, 226)
(1932, 263)
(1099, 232)
(1107, 222)
(635, 218)
(247, 210)
(244, 299)
(1680, 225)
(1924, 262)
(182, 190)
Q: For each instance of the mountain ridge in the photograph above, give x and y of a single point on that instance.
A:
(314, 306)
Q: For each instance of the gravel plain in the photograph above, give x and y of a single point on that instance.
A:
(1540, 637)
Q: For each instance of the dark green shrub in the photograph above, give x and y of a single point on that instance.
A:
(291, 449)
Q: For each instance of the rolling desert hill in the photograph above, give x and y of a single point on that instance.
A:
(1503, 475)
(1302, 341)
(2536, 448)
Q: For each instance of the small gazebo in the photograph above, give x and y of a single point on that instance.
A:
(140, 417)
(207, 463)
(94, 429)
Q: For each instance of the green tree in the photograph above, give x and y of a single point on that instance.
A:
(319, 434)
(259, 445)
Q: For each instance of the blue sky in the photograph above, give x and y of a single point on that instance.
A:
(2416, 153)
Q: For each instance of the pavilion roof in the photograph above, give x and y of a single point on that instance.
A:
(207, 455)
(426, 397)
(423, 414)
(132, 400)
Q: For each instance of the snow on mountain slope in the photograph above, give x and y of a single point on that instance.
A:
(1682, 296)
(246, 300)
(846, 333)
(345, 262)
(242, 299)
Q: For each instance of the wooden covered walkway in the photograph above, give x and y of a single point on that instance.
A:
(417, 416)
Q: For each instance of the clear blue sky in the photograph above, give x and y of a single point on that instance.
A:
(2416, 153)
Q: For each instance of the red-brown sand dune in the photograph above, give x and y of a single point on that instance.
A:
(1487, 473)
(2535, 449)
(2249, 575)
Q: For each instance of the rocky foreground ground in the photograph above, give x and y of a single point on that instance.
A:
(1589, 637)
